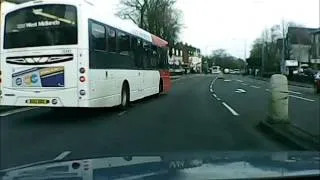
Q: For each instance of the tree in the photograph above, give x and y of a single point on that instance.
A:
(159, 17)
(220, 57)
(266, 49)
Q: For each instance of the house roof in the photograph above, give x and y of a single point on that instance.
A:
(300, 35)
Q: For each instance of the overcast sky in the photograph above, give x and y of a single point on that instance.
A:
(228, 24)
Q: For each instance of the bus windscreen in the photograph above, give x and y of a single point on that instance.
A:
(41, 25)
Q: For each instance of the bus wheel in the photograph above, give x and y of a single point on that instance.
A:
(124, 97)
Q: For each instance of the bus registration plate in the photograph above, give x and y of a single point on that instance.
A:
(37, 101)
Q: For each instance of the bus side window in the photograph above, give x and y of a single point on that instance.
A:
(98, 34)
(134, 50)
(146, 55)
(123, 43)
(140, 54)
(111, 40)
(154, 60)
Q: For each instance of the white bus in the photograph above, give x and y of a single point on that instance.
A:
(67, 53)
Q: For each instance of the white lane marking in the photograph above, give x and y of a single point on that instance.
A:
(121, 113)
(230, 109)
(295, 92)
(268, 90)
(14, 111)
(245, 84)
(227, 80)
(239, 80)
(298, 97)
(218, 99)
(62, 155)
(214, 95)
(211, 90)
(240, 91)
(257, 87)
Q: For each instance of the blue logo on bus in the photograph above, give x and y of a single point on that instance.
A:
(34, 78)
(18, 81)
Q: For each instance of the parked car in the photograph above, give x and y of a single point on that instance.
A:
(236, 71)
(215, 69)
(310, 72)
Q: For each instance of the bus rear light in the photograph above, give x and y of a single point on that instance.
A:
(54, 101)
(82, 92)
(82, 70)
(82, 79)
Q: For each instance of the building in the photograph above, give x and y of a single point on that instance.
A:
(315, 49)
(184, 58)
(298, 45)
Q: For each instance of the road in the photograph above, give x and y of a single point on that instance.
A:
(189, 118)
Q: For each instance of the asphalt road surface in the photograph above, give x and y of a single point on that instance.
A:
(191, 118)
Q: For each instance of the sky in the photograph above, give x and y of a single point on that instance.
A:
(234, 24)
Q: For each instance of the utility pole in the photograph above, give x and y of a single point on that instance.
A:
(262, 58)
(282, 68)
(245, 50)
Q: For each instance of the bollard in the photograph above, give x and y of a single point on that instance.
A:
(278, 103)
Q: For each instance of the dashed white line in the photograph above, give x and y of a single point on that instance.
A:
(227, 80)
(214, 95)
(268, 90)
(240, 91)
(295, 92)
(239, 80)
(62, 155)
(19, 110)
(218, 99)
(245, 84)
(230, 109)
(211, 90)
(298, 97)
(257, 87)
(121, 113)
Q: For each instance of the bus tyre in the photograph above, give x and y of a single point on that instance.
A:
(124, 97)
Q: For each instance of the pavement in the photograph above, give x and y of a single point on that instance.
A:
(292, 83)
(201, 113)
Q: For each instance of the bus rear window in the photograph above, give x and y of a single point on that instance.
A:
(41, 25)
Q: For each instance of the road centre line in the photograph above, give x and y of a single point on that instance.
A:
(62, 155)
(211, 90)
(14, 111)
(239, 80)
(298, 97)
(230, 109)
(257, 87)
(245, 84)
(295, 92)
(214, 95)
